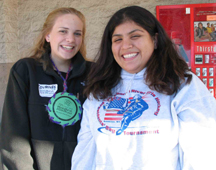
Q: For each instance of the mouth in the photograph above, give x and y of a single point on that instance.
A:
(67, 47)
(131, 55)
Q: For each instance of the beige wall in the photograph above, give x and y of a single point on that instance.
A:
(21, 21)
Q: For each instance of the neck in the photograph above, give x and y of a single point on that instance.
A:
(62, 65)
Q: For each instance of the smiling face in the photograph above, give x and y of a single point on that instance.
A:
(132, 46)
(65, 38)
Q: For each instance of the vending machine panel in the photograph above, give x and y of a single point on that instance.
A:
(192, 28)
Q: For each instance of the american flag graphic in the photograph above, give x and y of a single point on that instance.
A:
(113, 107)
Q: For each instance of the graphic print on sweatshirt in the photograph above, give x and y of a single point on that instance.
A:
(120, 115)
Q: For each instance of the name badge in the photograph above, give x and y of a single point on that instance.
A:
(47, 90)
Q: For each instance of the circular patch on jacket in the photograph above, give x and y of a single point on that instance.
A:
(64, 109)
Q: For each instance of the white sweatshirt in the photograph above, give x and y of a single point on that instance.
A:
(140, 129)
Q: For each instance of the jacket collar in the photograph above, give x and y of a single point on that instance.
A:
(79, 66)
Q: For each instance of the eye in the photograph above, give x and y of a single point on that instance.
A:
(78, 34)
(135, 36)
(117, 39)
(63, 31)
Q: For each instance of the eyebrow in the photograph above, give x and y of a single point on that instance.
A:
(68, 28)
(127, 33)
(64, 28)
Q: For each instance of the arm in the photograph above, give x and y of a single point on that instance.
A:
(15, 133)
(197, 129)
(84, 154)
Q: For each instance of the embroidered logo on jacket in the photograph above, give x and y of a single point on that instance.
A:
(117, 114)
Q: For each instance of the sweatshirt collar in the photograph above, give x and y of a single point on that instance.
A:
(130, 80)
(127, 75)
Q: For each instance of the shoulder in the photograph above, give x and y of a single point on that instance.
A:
(195, 83)
(80, 65)
(195, 90)
(193, 98)
(91, 102)
(88, 65)
(23, 66)
(25, 62)
(204, 28)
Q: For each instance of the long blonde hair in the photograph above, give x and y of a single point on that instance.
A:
(42, 46)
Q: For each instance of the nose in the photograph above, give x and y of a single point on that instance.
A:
(70, 38)
(126, 44)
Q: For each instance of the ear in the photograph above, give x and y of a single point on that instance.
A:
(47, 38)
(155, 40)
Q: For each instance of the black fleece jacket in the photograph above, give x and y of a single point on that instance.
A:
(29, 140)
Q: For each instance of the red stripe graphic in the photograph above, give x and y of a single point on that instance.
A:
(113, 119)
(112, 114)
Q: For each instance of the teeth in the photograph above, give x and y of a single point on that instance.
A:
(130, 55)
(67, 47)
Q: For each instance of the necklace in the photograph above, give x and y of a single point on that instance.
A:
(64, 108)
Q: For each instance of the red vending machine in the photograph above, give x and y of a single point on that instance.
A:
(192, 27)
